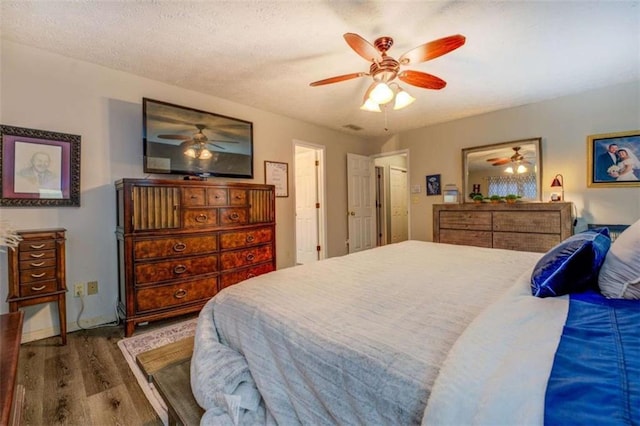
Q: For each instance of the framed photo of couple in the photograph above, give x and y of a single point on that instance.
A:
(614, 159)
(39, 168)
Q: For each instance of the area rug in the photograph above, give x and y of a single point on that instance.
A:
(132, 346)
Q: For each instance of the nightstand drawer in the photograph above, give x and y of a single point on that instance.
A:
(36, 245)
(235, 259)
(245, 238)
(38, 263)
(149, 272)
(166, 296)
(37, 288)
(35, 275)
(37, 255)
(174, 246)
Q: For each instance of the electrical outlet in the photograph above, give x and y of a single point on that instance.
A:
(92, 287)
(79, 290)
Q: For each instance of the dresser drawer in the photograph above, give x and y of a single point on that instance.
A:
(38, 288)
(37, 255)
(466, 238)
(480, 221)
(238, 197)
(233, 216)
(149, 272)
(519, 241)
(38, 263)
(230, 278)
(36, 245)
(194, 197)
(35, 275)
(245, 238)
(199, 218)
(167, 296)
(238, 258)
(174, 246)
(538, 222)
(217, 197)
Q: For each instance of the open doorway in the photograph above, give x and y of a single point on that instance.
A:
(392, 197)
(311, 239)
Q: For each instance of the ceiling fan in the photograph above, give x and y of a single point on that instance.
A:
(196, 146)
(384, 69)
(517, 157)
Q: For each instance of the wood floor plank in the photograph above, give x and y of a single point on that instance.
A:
(96, 361)
(66, 402)
(113, 407)
(31, 377)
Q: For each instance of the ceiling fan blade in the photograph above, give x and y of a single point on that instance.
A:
(176, 137)
(362, 47)
(496, 159)
(432, 50)
(218, 146)
(502, 162)
(338, 78)
(422, 79)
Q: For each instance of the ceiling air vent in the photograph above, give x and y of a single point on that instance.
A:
(352, 127)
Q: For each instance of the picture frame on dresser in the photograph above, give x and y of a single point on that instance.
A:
(614, 159)
(39, 168)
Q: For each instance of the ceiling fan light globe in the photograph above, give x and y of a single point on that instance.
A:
(509, 170)
(190, 152)
(521, 169)
(381, 94)
(205, 154)
(403, 99)
(370, 106)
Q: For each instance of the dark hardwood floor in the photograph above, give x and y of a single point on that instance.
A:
(86, 382)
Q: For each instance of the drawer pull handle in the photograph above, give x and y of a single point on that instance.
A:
(250, 257)
(38, 288)
(201, 218)
(250, 238)
(180, 294)
(217, 196)
(36, 256)
(179, 247)
(39, 246)
(250, 275)
(36, 264)
(234, 216)
(180, 269)
(38, 275)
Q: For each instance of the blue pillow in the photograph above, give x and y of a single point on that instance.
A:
(571, 266)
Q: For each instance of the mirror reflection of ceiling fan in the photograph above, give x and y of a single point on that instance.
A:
(517, 159)
(197, 146)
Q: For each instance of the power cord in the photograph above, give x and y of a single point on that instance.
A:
(109, 324)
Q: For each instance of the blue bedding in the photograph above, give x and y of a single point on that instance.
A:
(595, 379)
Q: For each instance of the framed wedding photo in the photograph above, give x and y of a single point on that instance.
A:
(39, 168)
(614, 159)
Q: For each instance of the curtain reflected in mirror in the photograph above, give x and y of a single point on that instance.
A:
(504, 169)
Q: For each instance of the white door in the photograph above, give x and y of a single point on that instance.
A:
(306, 202)
(361, 202)
(399, 213)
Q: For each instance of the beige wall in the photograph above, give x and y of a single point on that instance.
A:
(50, 92)
(563, 124)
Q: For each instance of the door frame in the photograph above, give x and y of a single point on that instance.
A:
(408, 162)
(321, 194)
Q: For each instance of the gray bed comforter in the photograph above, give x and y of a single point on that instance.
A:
(357, 339)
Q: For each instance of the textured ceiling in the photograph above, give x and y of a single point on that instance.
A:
(265, 53)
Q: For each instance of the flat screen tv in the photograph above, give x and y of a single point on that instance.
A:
(187, 141)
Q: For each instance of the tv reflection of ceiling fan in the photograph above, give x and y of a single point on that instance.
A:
(199, 140)
(517, 158)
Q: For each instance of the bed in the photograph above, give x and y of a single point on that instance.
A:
(408, 333)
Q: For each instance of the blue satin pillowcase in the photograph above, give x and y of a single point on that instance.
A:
(571, 266)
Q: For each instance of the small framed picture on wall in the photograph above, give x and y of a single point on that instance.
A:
(433, 185)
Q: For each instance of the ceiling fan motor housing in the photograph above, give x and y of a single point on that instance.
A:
(385, 70)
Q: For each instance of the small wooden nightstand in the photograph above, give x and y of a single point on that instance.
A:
(37, 272)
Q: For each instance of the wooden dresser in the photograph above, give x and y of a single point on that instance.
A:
(521, 226)
(37, 272)
(180, 242)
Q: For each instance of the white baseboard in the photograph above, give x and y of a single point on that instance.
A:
(71, 327)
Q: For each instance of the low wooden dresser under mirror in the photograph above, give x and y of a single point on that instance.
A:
(181, 242)
(37, 272)
(532, 226)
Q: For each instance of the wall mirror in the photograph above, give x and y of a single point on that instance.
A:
(502, 169)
